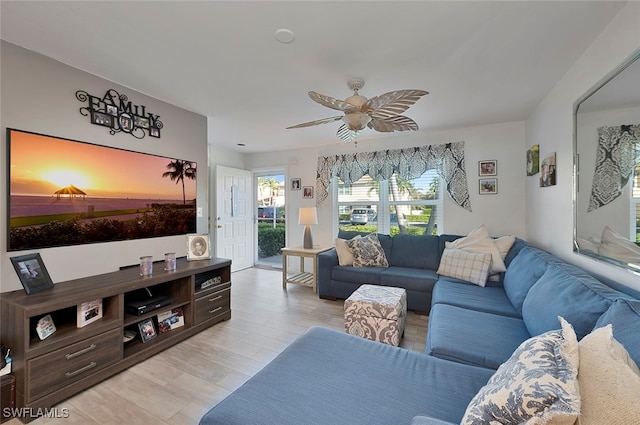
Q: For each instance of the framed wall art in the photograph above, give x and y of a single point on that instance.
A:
(488, 168)
(533, 160)
(296, 184)
(488, 186)
(307, 192)
(32, 273)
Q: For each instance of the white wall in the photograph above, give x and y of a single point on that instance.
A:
(38, 95)
(550, 209)
(502, 213)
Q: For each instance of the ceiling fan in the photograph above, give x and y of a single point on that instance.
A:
(380, 113)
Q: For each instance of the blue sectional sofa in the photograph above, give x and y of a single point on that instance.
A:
(415, 273)
(328, 377)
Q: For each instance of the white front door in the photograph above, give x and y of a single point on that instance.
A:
(234, 216)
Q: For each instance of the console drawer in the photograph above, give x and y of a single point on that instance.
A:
(213, 305)
(54, 370)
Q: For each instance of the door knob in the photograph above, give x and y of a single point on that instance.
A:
(219, 226)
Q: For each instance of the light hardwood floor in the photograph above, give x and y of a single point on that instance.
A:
(182, 383)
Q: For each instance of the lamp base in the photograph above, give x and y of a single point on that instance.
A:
(308, 241)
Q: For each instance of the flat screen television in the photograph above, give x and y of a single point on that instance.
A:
(65, 192)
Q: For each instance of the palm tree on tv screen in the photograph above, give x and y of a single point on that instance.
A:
(179, 170)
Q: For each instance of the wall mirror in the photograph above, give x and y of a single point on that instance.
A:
(607, 168)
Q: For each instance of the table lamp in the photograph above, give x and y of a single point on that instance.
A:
(307, 216)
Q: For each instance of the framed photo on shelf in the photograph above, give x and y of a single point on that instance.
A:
(45, 327)
(89, 312)
(296, 184)
(147, 330)
(32, 273)
(488, 168)
(170, 319)
(488, 186)
(307, 192)
(198, 247)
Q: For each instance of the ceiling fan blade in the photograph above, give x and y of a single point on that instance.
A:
(331, 102)
(316, 122)
(391, 124)
(393, 103)
(346, 134)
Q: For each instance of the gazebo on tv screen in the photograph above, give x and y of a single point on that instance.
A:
(66, 192)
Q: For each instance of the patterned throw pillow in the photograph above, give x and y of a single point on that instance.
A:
(367, 252)
(537, 385)
(465, 265)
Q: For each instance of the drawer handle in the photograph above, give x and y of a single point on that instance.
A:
(81, 352)
(215, 298)
(215, 309)
(79, 371)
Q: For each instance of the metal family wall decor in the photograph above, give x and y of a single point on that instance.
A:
(114, 110)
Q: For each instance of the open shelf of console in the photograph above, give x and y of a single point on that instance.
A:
(73, 358)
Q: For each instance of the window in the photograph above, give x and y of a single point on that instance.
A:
(390, 206)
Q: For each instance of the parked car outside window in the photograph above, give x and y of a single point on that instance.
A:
(362, 216)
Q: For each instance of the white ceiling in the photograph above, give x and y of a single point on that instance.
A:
(482, 62)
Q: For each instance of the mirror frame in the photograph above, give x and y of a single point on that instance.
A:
(633, 268)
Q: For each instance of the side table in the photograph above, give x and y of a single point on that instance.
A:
(302, 278)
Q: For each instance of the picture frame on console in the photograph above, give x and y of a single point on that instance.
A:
(32, 273)
(147, 330)
(198, 247)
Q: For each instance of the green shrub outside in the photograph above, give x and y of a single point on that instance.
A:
(270, 239)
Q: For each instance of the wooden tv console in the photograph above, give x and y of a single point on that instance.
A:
(72, 359)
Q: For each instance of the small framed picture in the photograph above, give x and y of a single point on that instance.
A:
(548, 171)
(154, 132)
(488, 186)
(295, 184)
(140, 121)
(32, 273)
(100, 118)
(488, 168)
(112, 110)
(126, 123)
(198, 247)
(307, 192)
(147, 330)
(45, 327)
(533, 160)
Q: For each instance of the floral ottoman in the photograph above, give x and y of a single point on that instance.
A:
(377, 313)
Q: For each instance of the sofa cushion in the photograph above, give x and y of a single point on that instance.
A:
(352, 381)
(345, 256)
(523, 272)
(367, 252)
(357, 275)
(567, 291)
(469, 266)
(537, 385)
(415, 251)
(420, 280)
(473, 297)
(473, 337)
(428, 420)
(609, 383)
(624, 316)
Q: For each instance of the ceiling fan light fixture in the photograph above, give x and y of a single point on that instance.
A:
(356, 121)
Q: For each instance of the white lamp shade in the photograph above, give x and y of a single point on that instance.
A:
(308, 215)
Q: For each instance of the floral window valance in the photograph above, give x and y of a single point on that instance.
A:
(408, 163)
(615, 161)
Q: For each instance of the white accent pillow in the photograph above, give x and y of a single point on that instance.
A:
(609, 381)
(588, 245)
(345, 256)
(478, 240)
(537, 385)
(618, 247)
(465, 265)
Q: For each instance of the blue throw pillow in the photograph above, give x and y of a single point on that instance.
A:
(624, 317)
(523, 272)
